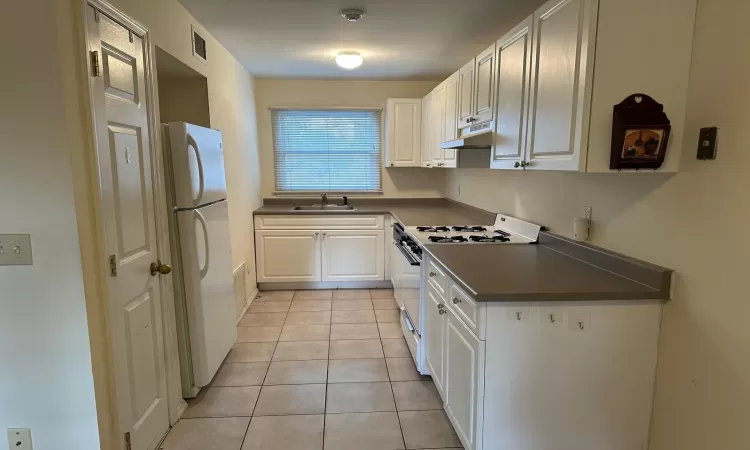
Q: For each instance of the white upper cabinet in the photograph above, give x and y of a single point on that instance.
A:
(427, 122)
(438, 124)
(465, 95)
(484, 86)
(403, 132)
(561, 72)
(513, 81)
(561, 56)
(451, 109)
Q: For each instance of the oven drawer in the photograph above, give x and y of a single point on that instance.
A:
(465, 308)
(409, 331)
(437, 277)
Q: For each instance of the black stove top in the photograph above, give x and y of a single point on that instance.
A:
(433, 229)
(448, 239)
(465, 229)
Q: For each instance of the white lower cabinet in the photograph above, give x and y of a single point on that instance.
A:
(464, 380)
(353, 255)
(328, 252)
(287, 255)
(534, 377)
(433, 333)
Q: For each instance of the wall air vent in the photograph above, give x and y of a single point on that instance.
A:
(199, 46)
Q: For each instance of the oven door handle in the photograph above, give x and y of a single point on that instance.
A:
(407, 319)
(412, 261)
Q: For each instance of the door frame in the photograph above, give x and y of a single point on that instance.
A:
(90, 218)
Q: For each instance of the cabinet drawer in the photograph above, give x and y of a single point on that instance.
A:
(465, 308)
(327, 222)
(437, 277)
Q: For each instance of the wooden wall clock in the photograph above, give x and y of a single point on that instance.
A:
(640, 134)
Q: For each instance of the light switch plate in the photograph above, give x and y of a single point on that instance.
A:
(15, 250)
(19, 439)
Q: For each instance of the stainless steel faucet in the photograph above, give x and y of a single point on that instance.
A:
(324, 199)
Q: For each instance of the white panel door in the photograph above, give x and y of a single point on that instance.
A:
(484, 86)
(513, 81)
(463, 384)
(437, 128)
(206, 260)
(404, 135)
(353, 255)
(451, 109)
(433, 334)
(425, 154)
(560, 100)
(465, 95)
(287, 256)
(125, 166)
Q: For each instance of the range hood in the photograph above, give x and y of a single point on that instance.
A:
(477, 137)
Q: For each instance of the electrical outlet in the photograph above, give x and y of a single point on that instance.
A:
(19, 439)
(587, 212)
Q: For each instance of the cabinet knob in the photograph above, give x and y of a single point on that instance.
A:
(441, 306)
(517, 164)
(392, 164)
(456, 300)
(524, 164)
(317, 234)
(442, 311)
(433, 274)
(325, 234)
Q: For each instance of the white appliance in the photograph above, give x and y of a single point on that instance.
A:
(201, 252)
(408, 277)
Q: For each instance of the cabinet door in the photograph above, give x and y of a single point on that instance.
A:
(484, 86)
(287, 256)
(464, 380)
(513, 81)
(451, 108)
(353, 255)
(450, 132)
(426, 155)
(403, 132)
(465, 95)
(433, 334)
(438, 126)
(562, 59)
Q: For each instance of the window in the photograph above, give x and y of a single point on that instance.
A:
(330, 150)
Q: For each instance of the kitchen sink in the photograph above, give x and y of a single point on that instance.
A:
(324, 208)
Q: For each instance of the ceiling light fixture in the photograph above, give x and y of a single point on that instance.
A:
(349, 60)
(352, 15)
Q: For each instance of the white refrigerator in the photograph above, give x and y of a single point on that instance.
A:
(201, 252)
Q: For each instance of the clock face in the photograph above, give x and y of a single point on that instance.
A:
(642, 143)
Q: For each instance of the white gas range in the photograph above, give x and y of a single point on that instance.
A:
(407, 273)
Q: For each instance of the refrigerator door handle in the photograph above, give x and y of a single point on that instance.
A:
(202, 220)
(192, 143)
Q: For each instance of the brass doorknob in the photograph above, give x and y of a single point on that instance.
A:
(159, 268)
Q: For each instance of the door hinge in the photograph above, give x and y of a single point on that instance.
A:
(128, 444)
(113, 265)
(95, 70)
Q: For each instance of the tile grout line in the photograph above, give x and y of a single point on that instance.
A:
(328, 369)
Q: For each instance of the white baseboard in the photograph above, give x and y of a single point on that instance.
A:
(249, 302)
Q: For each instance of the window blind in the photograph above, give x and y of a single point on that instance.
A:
(336, 150)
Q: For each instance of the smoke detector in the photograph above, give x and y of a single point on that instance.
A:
(352, 15)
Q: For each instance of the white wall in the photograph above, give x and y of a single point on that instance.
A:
(232, 105)
(46, 380)
(397, 182)
(695, 222)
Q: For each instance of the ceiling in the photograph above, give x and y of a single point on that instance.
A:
(399, 39)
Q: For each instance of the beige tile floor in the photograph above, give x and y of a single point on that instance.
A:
(317, 370)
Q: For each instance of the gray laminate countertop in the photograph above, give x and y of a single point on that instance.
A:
(432, 213)
(519, 273)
